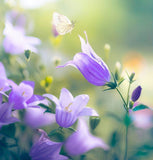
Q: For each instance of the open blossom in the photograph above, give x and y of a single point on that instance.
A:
(90, 65)
(16, 42)
(45, 149)
(22, 96)
(68, 109)
(6, 114)
(82, 141)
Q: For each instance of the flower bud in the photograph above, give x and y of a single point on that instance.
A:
(117, 70)
(56, 60)
(94, 121)
(131, 76)
(107, 48)
(136, 94)
(131, 104)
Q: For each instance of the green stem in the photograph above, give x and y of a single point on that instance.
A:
(125, 105)
(126, 141)
(127, 102)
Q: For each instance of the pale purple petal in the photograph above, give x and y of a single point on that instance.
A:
(88, 112)
(17, 100)
(79, 103)
(35, 100)
(65, 118)
(25, 91)
(69, 63)
(5, 114)
(82, 141)
(30, 83)
(2, 71)
(36, 117)
(4, 86)
(45, 149)
(142, 118)
(1, 99)
(53, 98)
(65, 98)
(15, 41)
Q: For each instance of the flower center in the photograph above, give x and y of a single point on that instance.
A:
(23, 94)
(67, 108)
(1, 89)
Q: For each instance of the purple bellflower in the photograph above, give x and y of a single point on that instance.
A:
(16, 17)
(22, 96)
(36, 117)
(82, 141)
(68, 109)
(6, 114)
(16, 42)
(90, 65)
(45, 149)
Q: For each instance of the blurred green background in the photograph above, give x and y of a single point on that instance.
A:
(126, 25)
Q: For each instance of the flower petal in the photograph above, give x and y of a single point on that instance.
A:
(91, 70)
(82, 141)
(65, 118)
(88, 112)
(66, 98)
(2, 71)
(52, 98)
(79, 103)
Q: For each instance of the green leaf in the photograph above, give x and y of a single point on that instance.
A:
(9, 130)
(140, 107)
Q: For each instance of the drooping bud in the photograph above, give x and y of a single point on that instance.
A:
(136, 94)
(94, 121)
(131, 76)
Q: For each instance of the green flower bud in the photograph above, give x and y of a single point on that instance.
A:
(94, 121)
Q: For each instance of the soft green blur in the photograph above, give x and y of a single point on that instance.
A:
(125, 25)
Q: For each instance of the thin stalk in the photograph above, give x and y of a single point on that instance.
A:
(125, 105)
(126, 142)
(127, 102)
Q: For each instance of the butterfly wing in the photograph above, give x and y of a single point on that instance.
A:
(62, 24)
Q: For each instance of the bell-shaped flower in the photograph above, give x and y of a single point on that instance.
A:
(45, 149)
(68, 109)
(22, 96)
(16, 42)
(6, 114)
(92, 67)
(82, 141)
(37, 117)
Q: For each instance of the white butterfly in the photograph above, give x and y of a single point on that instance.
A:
(62, 24)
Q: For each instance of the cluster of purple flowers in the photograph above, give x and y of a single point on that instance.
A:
(68, 110)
